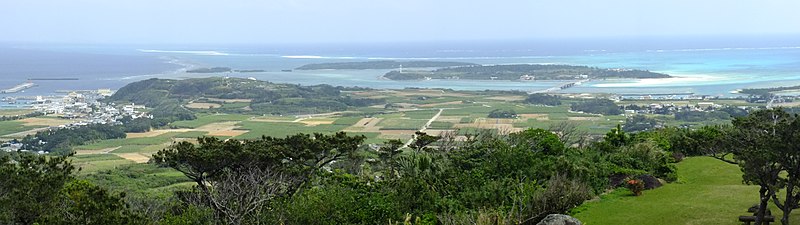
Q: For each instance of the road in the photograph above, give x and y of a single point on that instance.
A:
(425, 127)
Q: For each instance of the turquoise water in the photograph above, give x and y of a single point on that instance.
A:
(699, 71)
(702, 68)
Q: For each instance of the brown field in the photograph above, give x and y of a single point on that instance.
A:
(367, 122)
(38, 121)
(396, 134)
(436, 132)
(154, 133)
(229, 100)
(507, 98)
(503, 127)
(317, 121)
(99, 151)
(136, 157)
(438, 93)
(365, 125)
(222, 129)
(787, 104)
(583, 118)
(15, 112)
(452, 119)
(495, 121)
(442, 103)
(534, 116)
(203, 105)
(25, 133)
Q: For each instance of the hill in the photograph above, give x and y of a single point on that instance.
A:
(257, 97)
(709, 191)
(384, 64)
(523, 72)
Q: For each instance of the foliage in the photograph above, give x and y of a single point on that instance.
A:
(639, 123)
(635, 185)
(597, 106)
(543, 99)
(502, 113)
(255, 171)
(167, 96)
(42, 189)
(697, 116)
(61, 141)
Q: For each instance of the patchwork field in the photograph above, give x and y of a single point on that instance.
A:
(203, 105)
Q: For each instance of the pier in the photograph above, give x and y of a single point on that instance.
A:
(19, 87)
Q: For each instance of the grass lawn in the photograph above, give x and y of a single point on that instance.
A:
(709, 191)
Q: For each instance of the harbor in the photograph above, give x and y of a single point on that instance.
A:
(19, 87)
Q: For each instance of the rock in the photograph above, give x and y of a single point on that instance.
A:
(559, 219)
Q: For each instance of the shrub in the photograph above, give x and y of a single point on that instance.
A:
(635, 185)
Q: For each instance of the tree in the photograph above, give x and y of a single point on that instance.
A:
(388, 153)
(543, 99)
(237, 179)
(82, 202)
(758, 144)
(639, 123)
(421, 141)
(30, 185)
(502, 113)
(569, 133)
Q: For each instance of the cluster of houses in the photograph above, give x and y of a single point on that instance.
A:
(83, 109)
(669, 108)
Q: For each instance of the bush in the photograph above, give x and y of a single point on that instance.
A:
(635, 185)
(502, 113)
(543, 99)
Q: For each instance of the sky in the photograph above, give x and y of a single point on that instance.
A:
(358, 21)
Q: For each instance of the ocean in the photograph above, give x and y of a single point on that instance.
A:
(705, 66)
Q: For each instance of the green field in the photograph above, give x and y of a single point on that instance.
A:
(282, 129)
(15, 112)
(401, 124)
(13, 126)
(205, 119)
(142, 142)
(142, 178)
(97, 162)
(708, 191)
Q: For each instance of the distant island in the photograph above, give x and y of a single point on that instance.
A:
(222, 70)
(384, 64)
(522, 72)
(211, 70)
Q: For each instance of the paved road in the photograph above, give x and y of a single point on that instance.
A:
(425, 127)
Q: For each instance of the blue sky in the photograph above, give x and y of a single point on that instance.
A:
(321, 21)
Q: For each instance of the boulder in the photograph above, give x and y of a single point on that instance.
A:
(559, 219)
